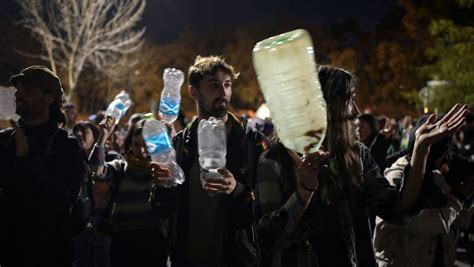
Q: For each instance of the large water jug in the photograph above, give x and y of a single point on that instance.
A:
(212, 147)
(119, 106)
(286, 72)
(159, 147)
(171, 94)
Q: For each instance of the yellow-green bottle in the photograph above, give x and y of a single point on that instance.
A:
(286, 72)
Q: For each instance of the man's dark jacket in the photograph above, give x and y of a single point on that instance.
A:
(37, 192)
(244, 146)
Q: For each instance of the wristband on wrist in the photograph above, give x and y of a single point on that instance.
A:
(306, 188)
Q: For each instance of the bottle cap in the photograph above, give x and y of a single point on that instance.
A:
(149, 116)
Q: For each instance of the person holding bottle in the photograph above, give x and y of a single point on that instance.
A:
(137, 238)
(87, 134)
(315, 212)
(211, 229)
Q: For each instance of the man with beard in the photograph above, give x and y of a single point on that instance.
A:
(211, 226)
(42, 169)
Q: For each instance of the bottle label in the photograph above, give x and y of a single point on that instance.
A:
(169, 107)
(120, 107)
(157, 143)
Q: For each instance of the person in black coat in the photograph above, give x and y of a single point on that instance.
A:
(42, 170)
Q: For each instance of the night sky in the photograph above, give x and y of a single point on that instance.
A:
(165, 19)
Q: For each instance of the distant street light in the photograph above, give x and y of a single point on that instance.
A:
(427, 95)
(424, 95)
(435, 83)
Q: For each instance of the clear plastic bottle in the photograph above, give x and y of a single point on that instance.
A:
(160, 149)
(286, 72)
(171, 94)
(212, 147)
(7, 103)
(119, 106)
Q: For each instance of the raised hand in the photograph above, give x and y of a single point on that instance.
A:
(431, 132)
(309, 167)
(106, 127)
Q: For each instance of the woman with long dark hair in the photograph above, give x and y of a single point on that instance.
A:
(315, 212)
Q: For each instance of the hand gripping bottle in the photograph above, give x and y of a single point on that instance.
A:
(212, 147)
(286, 72)
(119, 106)
(160, 149)
(171, 94)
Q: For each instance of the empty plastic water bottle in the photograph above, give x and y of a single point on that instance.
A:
(212, 146)
(171, 94)
(119, 106)
(286, 72)
(160, 149)
(7, 103)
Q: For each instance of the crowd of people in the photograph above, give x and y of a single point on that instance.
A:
(379, 192)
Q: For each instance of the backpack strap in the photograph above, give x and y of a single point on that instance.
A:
(178, 145)
(112, 195)
(250, 158)
(85, 190)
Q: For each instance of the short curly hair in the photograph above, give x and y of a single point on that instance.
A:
(209, 65)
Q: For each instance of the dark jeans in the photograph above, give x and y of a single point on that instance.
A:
(145, 247)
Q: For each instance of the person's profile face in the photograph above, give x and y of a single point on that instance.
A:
(31, 101)
(352, 109)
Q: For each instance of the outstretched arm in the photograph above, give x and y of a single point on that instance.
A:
(428, 134)
(97, 156)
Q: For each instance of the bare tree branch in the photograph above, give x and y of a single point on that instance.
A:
(99, 33)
